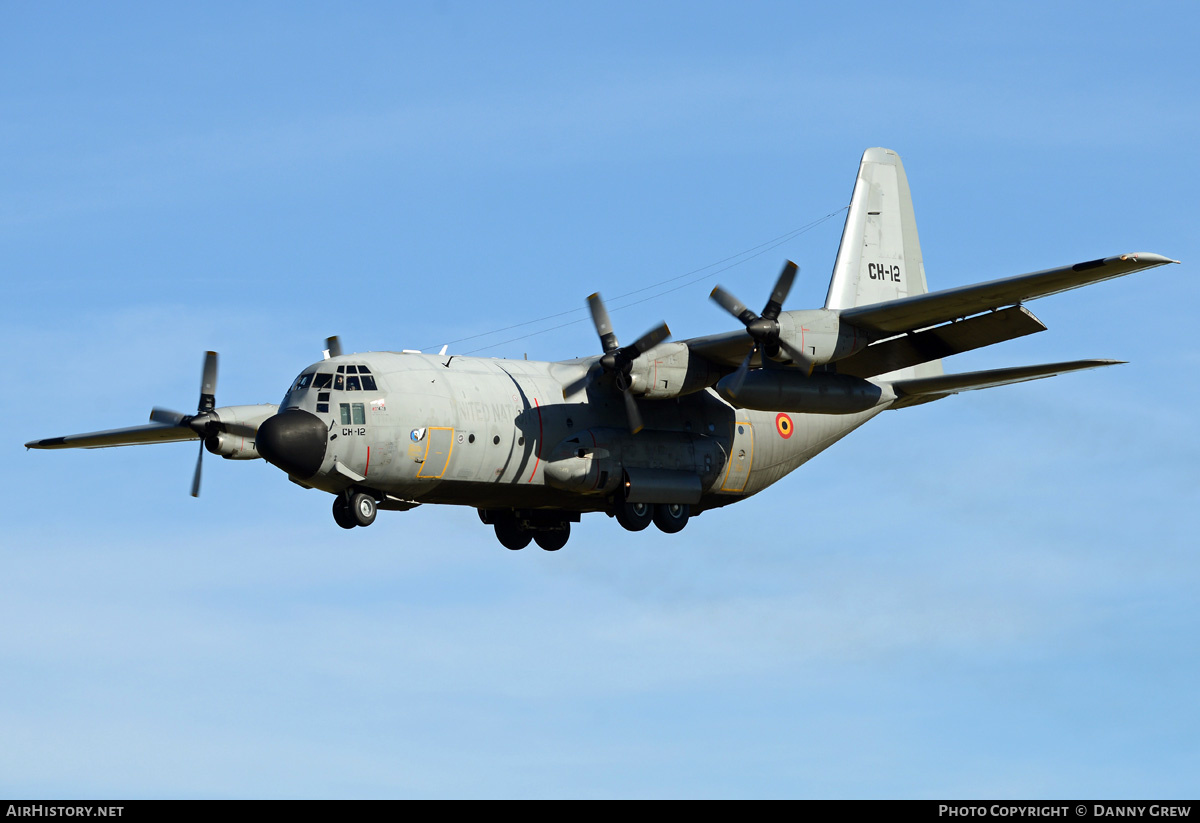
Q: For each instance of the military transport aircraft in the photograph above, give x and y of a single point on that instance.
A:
(653, 431)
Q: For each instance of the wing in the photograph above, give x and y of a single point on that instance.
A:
(924, 310)
(132, 436)
(726, 349)
(926, 389)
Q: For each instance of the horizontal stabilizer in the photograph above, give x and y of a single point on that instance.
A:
(927, 389)
(132, 436)
(924, 310)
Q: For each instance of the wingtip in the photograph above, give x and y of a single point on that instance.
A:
(1149, 258)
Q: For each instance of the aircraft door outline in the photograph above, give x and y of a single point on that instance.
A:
(439, 444)
(741, 457)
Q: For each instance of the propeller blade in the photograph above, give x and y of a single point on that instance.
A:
(208, 383)
(650, 339)
(577, 385)
(782, 286)
(334, 346)
(631, 411)
(732, 305)
(798, 357)
(171, 418)
(196, 476)
(603, 325)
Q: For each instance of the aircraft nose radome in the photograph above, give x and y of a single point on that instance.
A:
(294, 441)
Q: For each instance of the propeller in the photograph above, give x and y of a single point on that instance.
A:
(764, 329)
(617, 360)
(203, 422)
(334, 346)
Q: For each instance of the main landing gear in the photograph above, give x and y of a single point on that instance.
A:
(516, 529)
(354, 509)
(669, 517)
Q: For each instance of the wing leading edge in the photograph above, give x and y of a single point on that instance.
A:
(131, 436)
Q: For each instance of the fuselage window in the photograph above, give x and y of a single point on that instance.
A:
(344, 408)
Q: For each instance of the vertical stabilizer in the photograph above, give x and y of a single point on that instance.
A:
(880, 255)
(879, 258)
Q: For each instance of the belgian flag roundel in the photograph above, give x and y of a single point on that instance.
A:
(783, 425)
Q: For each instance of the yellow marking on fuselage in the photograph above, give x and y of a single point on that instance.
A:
(428, 444)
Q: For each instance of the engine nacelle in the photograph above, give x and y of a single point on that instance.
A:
(669, 370)
(790, 390)
(600, 460)
(821, 334)
(231, 446)
(240, 424)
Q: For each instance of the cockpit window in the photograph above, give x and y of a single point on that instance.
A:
(348, 378)
(302, 382)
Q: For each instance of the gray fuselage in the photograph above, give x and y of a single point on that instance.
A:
(493, 433)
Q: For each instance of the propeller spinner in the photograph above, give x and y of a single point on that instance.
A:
(617, 360)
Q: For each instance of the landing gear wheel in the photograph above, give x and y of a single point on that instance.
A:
(552, 541)
(672, 517)
(512, 536)
(362, 509)
(635, 516)
(341, 513)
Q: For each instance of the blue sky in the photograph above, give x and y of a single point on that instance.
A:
(990, 596)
